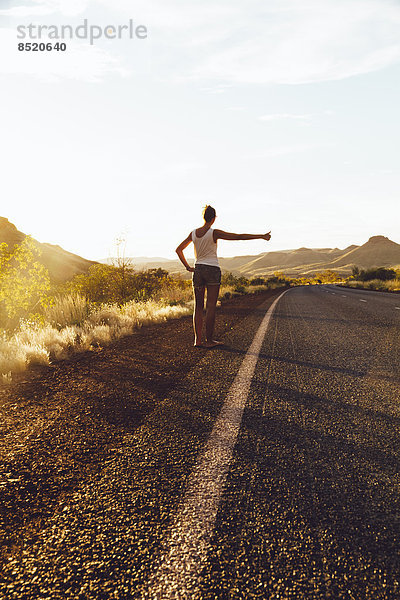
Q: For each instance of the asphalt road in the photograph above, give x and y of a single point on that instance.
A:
(312, 504)
(310, 507)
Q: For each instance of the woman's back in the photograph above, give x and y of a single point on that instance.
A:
(205, 249)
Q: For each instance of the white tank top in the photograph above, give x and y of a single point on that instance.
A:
(205, 249)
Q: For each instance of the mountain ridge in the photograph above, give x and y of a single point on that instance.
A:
(378, 251)
(61, 264)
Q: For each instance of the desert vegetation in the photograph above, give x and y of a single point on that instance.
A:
(41, 319)
(380, 279)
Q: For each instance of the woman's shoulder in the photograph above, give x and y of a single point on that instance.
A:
(200, 233)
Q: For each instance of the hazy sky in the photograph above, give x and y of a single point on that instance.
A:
(283, 114)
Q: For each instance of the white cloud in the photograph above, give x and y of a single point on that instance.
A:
(46, 7)
(285, 116)
(270, 41)
(312, 42)
(287, 149)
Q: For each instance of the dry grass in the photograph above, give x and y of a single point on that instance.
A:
(376, 284)
(36, 343)
(71, 309)
(247, 289)
(175, 294)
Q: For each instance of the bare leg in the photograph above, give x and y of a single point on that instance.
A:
(198, 314)
(212, 297)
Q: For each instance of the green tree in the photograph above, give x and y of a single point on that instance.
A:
(24, 281)
(100, 284)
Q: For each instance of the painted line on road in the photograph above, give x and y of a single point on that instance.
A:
(185, 549)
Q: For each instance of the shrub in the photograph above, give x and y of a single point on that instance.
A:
(228, 279)
(239, 288)
(327, 276)
(381, 273)
(120, 284)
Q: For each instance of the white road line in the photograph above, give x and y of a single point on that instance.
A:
(186, 547)
(362, 300)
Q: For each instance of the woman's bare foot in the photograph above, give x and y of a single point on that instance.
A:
(213, 344)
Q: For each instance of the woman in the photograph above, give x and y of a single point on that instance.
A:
(206, 272)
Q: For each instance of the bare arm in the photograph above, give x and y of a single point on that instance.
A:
(180, 250)
(225, 235)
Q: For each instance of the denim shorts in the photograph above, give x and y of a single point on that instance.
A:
(206, 275)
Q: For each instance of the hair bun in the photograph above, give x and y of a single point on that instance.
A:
(208, 213)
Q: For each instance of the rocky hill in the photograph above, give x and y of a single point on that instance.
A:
(62, 265)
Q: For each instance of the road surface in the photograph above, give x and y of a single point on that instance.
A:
(294, 494)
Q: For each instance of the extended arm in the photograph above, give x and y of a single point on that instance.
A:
(180, 250)
(225, 235)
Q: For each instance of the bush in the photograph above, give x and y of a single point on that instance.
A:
(381, 273)
(239, 289)
(278, 280)
(120, 284)
(327, 276)
(228, 279)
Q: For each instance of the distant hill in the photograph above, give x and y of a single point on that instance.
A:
(378, 251)
(62, 265)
